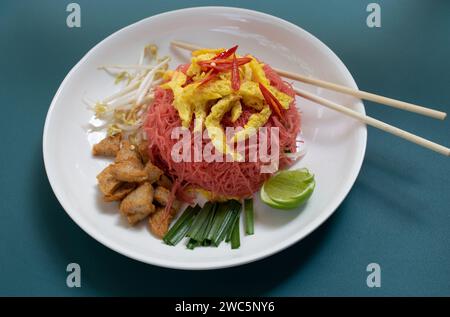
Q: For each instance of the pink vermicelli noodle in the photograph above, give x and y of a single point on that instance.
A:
(231, 179)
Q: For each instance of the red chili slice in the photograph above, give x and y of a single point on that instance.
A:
(271, 99)
(235, 79)
(210, 76)
(223, 65)
(189, 81)
(227, 53)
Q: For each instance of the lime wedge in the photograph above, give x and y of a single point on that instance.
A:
(268, 201)
(288, 189)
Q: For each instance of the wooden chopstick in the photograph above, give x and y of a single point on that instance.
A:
(354, 114)
(374, 122)
(364, 95)
(343, 89)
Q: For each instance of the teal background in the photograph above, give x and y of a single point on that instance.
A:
(397, 213)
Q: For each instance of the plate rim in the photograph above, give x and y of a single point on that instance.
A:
(315, 224)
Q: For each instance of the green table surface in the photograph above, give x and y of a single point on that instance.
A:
(396, 215)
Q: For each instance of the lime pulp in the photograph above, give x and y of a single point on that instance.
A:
(288, 189)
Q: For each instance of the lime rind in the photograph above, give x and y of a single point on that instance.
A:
(268, 201)
(288, 189)
(298, 200)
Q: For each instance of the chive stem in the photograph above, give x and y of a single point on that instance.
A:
(231, 211)
(192, 244)
(249, 217)
(230, 232)
(199, 220)
(235, 235)
(180, 228)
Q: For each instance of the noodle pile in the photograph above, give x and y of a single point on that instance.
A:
(230, 179)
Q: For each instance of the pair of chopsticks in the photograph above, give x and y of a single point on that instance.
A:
(354, 114)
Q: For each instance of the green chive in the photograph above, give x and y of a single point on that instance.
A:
(231, 229)
(249, 218)
(206, 243)
(180, 228)
(200, 236)
(192, 244)
(217, 221)
(199, 221)
(212, 217)
(222, 225)
(235, 235)
(231, 211)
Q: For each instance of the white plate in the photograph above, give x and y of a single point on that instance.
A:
(336, 144)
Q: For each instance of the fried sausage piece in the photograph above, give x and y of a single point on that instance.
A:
(153, 172)
(123, 190)
(109, 146)
(162, 195)
(128, 171)
(107, 182)
(165, 182)
(138, 204)
(128, 153)
(158, 223)
(143, 151)
(128, 166)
